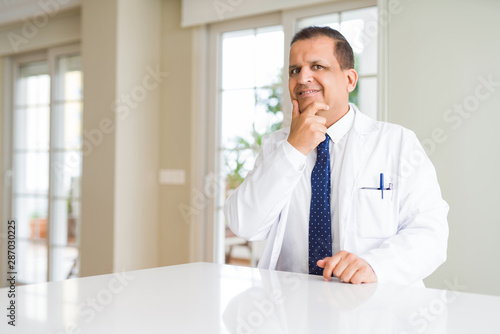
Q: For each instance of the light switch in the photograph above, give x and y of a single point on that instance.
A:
(172, 176)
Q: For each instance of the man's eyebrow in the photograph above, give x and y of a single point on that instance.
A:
(312, 62)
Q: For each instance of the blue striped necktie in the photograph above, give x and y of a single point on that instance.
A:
(320, 234)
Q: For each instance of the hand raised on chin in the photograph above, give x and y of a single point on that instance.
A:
(307, 129)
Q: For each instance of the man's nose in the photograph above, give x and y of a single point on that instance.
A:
(305, 76)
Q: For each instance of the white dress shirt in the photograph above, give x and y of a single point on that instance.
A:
(296, 239)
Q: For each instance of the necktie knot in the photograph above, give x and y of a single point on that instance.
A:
(324, 143)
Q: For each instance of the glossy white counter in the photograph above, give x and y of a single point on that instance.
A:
(209, 298)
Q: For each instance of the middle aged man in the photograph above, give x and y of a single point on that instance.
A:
(337, 192)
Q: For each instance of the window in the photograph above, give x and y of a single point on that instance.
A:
(46, 163)
(252, 65)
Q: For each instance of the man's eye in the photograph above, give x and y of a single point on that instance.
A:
(294, 71)
(317, 67)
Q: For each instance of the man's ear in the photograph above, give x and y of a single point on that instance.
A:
(352, 79)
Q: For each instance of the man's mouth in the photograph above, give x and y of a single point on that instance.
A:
(307, 93)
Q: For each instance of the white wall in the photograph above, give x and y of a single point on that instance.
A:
(197, 12)
(13, 11)
(137, 134)
(120, 47)
(175, 134)
(60, 27)
(99, 52)
(438, 51)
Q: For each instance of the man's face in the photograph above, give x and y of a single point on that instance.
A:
(315, 75)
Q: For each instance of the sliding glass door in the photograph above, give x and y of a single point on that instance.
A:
(46, 163)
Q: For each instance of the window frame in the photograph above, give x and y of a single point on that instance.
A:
(214, 122)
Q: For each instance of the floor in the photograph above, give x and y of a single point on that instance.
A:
(31, 264)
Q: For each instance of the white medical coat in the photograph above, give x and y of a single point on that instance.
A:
(403, 237)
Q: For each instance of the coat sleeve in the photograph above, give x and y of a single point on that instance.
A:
(256, 204)
(419, 246)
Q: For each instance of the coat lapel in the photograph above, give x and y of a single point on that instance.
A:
(356, 153)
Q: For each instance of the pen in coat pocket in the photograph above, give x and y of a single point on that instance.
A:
(382, 185)
(374, 188)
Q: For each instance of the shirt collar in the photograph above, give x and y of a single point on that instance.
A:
(340, 128)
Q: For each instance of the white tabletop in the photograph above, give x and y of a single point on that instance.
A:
(211, 298)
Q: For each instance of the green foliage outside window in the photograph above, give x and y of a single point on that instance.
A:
(235, 163)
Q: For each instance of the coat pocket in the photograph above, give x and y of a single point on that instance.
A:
(374, 215)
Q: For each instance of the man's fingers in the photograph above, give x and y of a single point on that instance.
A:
(348, 267)
(327, 271)
(315, 127)
(295, 109)
(348, 272)
(317, 119)
(321, 263)
(341, 266)
(314, 107)
(318, 128)
(320, 119)
(307, 130)
(359, 277)
(329, 264)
